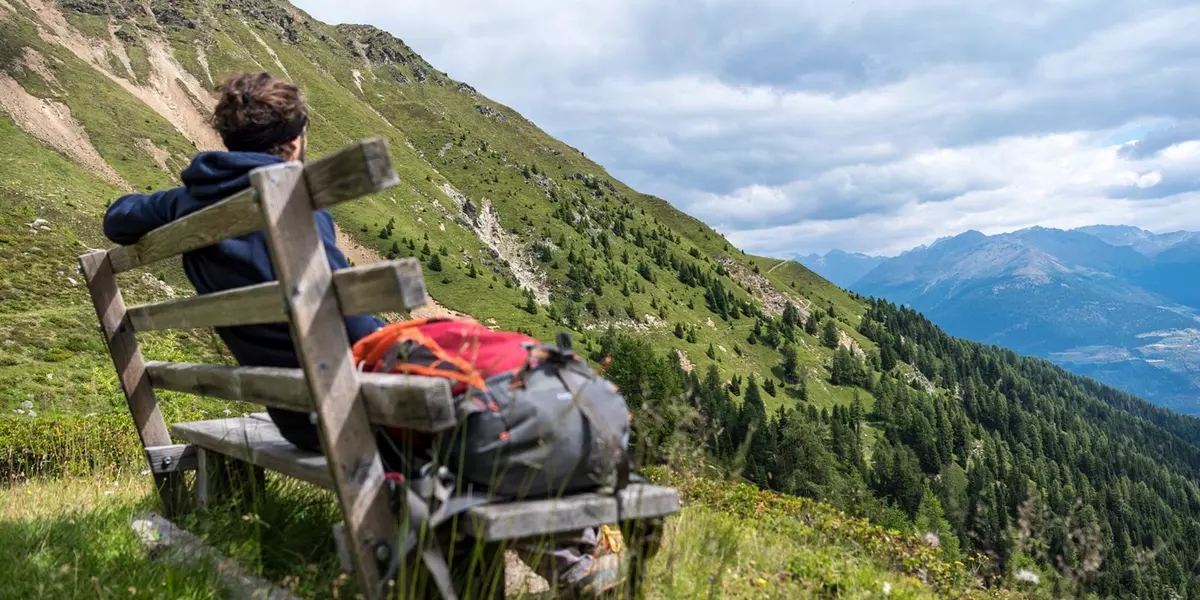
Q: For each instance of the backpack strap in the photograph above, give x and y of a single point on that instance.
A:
(420, 493)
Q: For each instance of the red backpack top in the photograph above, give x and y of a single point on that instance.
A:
(459, 349)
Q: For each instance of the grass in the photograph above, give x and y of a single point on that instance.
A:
(71, 538)
(74, 539)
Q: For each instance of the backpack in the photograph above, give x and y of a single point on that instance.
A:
(534, 419)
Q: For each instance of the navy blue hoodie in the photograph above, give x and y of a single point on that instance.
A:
(233, 263)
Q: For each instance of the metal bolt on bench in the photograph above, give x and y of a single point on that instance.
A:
(344, 403)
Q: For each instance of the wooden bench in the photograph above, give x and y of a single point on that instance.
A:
(346, 405)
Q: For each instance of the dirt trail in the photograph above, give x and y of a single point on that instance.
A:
(52, 123)
(361, 255)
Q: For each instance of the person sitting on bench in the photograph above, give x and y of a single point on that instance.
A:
(263, 120)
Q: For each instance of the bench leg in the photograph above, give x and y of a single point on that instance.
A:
(222, 479)
(173, 493)
(643, 539)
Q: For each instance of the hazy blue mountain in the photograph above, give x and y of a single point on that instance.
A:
(1144, 242)
(842, 268)
(1117, 304)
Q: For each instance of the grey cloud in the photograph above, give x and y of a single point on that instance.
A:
(1161, 139)
(719, 105)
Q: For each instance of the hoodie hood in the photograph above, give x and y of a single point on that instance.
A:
(214, 176)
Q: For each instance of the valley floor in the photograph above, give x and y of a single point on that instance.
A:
(72, 538)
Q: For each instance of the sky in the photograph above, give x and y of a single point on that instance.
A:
(865, 125)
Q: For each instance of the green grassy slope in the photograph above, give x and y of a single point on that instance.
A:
(549, 204)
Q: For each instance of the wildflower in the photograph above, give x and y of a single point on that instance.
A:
(227, 411)
(49, 376)
(1027, 576)
(27, 404)
(145, 472)
(108, 492)
(887, 588)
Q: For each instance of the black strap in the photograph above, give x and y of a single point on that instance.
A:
(419, 493)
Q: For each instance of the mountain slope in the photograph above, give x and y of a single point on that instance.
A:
(1106, 311)
(736, 366)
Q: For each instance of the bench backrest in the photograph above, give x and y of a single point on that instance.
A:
(312, 300)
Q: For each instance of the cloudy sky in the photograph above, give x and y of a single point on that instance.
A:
(866, 125)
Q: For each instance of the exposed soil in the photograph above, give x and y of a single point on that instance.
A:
(486, 224)
(158, 155)
(760, 287)
(171, 90)
(51, 123)
(34, 61)
(361, 255)
(202, 58)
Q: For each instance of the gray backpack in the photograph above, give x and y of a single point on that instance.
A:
(552, 428)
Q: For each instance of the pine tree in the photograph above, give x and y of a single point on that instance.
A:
(791, 316)
(711, 352)
(435, 263)
(931, 519)
(790, 365)
(679, 330)
(425, 249)
(769, 387)
(472, 273)
(829, 334)
(691, 335)
(812, 325)
(531, 305)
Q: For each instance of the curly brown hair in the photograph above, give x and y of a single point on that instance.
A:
(258, 112)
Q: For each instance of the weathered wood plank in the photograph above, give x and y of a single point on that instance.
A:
(258, 443)
(362, 168)
(323, 350)
(389, 286)
(131, 371)
(418, 403)
(173, 458)
(532, 518)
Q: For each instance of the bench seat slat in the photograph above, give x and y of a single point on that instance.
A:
(388, 286)
(413, 402)
(259, 442)
(256, 442)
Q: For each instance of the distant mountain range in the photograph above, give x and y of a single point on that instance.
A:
(841, 268)
(1116, 303)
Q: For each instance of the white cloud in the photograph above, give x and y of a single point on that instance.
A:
(798, 126)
